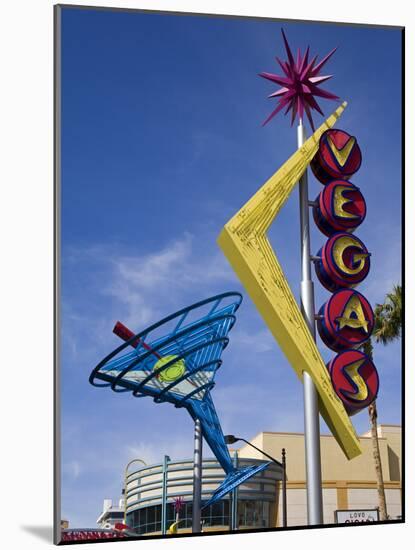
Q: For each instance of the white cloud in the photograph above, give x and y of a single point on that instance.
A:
(147, 285)
(259, 341)
(181, 263)
(151, 452)
(138, 289)
(71, 469)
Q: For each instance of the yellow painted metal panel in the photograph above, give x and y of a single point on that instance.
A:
(244, 243)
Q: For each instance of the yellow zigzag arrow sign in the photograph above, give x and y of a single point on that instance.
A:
(245, 244)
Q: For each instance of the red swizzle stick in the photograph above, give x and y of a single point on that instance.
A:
(125, 334)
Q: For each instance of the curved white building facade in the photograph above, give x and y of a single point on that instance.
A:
(250, 506)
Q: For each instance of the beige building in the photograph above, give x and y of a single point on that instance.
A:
(347, 485)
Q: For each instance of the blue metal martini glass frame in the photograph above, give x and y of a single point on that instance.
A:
(195, 346)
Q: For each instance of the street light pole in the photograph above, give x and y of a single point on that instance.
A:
(234, 500)
(284, 489)
(125, 484)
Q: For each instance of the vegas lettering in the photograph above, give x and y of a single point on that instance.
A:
(346, 320)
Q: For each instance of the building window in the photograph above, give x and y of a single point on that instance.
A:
(148, 520)
(145, 520)
(216, 514)
(253, 513)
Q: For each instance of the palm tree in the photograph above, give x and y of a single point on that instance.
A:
(388, 317)
(388, 327)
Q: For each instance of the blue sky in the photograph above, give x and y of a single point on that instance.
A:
(161, 144)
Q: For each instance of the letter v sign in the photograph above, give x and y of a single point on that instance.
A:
(245, 244)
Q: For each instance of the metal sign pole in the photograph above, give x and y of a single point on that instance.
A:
(311, 412)
(197, 478)
(164, 496)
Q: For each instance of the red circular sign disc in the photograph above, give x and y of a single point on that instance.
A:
(355, 379)
(338, 156)
(344, 262)
(339, 207)
(346, 321)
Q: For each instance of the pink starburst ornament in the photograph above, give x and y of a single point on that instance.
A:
(178, 504)
(300, 85)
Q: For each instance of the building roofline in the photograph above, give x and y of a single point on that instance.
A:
(292, 433)
(301, 434)
(391, 425)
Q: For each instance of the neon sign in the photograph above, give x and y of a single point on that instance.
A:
(338, 156)
(346, 320)
(355, 379)
(339, 207)
(344, 262)
(245, 243)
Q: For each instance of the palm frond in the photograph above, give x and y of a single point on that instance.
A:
(388, 317)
